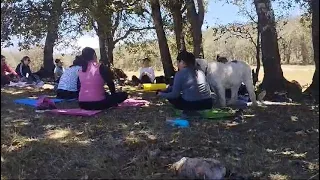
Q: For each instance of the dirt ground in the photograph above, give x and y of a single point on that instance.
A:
(277, 142)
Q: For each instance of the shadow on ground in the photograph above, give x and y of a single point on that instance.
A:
(278, 142)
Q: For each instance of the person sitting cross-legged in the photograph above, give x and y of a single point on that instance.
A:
(190, 90)
(92, 76)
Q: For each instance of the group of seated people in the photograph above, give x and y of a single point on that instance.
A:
(85, 79)
(21, 73)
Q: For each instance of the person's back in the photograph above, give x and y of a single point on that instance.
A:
(194, 86)
(69, 79)
(92, 84)
(190, 90)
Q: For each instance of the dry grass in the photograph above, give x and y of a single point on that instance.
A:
(302, 74)
(121, 143)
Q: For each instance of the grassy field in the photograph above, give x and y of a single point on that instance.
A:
(274, 142)
(302, 74)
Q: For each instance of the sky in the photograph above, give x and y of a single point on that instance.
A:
(218, 13)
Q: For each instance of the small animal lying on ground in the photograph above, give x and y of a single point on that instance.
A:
(229, 75)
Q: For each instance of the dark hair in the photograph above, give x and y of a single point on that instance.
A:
(2, 56)
(57, 61)
(87, 55)
(77, 61)
(222, 59)
(189, 59)
(24, 58)
(146, 59)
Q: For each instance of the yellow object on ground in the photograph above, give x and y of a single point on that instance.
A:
(154, 87)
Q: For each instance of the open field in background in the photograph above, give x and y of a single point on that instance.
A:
(302, 74)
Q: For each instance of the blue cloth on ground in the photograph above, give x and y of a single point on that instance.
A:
(33, 102)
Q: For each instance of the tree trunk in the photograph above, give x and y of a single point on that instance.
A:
(304, 50)
(258, 48)
(52, 36)
(175, 7)
(110, 45)
(314, 87)
(196, 21)
(162, 39)
(102, 44)
(273, 76)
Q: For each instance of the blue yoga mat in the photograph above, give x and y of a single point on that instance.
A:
(33, 102)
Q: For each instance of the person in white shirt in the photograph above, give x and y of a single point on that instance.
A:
(146, 73)
(69, 85)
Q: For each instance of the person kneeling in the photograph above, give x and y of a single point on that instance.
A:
(190, 90)
(92, 76)
(69, 85)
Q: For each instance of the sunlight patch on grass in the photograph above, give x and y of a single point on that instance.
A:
(58, 133)
(278, 177)
(20, 122)
(288, 153)
(17, 142)
(293, 154)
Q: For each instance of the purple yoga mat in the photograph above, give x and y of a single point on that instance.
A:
(133, 103)
(74, 112)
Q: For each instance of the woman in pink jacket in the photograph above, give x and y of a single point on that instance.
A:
(92, 76)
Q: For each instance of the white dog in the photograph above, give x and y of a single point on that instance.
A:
(229, 75)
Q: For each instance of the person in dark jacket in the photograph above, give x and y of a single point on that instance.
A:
(24, 71)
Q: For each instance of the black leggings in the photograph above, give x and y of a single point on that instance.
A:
(64, 94)
(4, 80)
(145, 79)
(182, 104)
(111, 100)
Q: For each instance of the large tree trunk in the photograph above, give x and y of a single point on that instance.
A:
(52, 36)
(255, 74)
(273, 76)
(175, 8)
(314, 87)
(162, 39)
(103, 16)
(196, 21)
(110, 45)
(102, 44)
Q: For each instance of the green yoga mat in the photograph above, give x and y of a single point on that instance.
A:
(212, 114)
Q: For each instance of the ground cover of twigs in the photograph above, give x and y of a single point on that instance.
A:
(277, 142)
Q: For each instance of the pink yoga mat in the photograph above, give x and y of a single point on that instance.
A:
(74, 112)
(133, 103)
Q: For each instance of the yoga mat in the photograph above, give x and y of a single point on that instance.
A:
(133, 103)
(74, 112)
(211, 114)
(33, 102)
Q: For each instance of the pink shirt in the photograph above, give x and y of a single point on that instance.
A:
(7, 69)
(91, 89)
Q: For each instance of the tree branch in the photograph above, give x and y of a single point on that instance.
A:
(116, 22)
(128, 33)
